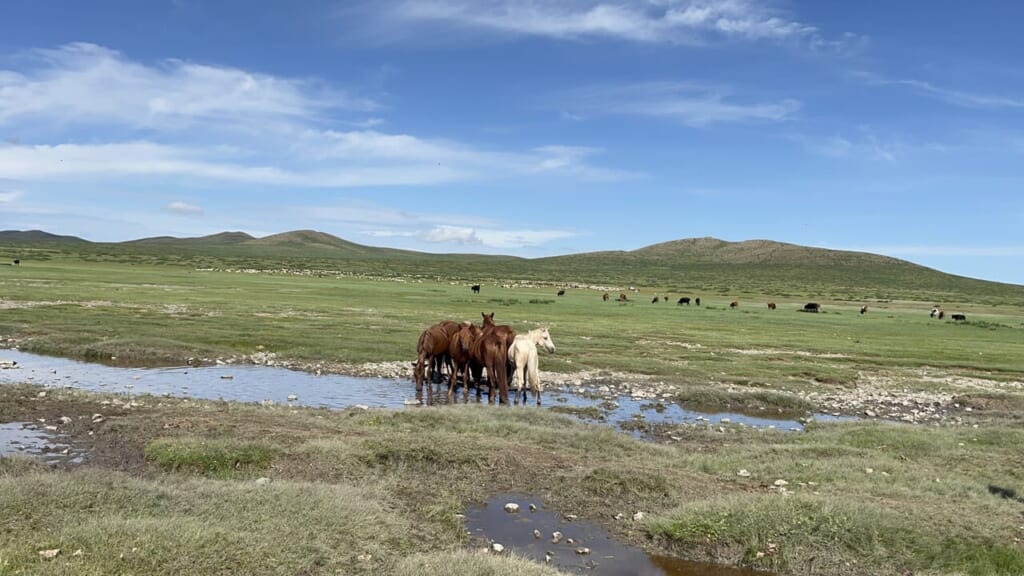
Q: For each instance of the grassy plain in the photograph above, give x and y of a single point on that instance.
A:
(170, 485)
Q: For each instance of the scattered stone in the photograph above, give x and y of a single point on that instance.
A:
(536, 534)
(41, 394)
(511, 507)
(64, 420)
(556, 537)
(77, 552)
(97, 418)
(725, 420)
(869, 470)
(780, 482)
(743, 473)
(364, 558)
(497, 548)
(293, 397)
(870, 413)
(361, 407)
(583, 550)
(619, 516)
(571, 517)
(49, 554)
(533, 507)
(262, 481)
(638, 516)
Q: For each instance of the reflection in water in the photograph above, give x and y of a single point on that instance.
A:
(248, 383)
(603, 557)
(30, 439)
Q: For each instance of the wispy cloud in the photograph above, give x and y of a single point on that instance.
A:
(491, 238)
(191, 121)
(962, 98)
(689, 103)
(88, 84)
(9, 195)
(184, 208)
(689, 22)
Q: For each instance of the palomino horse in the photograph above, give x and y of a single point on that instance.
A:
(490, 352)
(459, 347)
(523, 357)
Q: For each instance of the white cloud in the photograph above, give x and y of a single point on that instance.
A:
(88, 84)
(689, 22)
(689, 103)
(196, 122)
(184, 208)
(10, 195)
(456, 234)
(964, 99)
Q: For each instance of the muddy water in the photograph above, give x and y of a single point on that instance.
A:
(33, 439)
(247, 383)
(604, 556)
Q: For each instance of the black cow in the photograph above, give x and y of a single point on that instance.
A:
(960, 317)
(475, 288)
(685, 300)
(17, 262)
(812, 307)
(561, 292)
(655, 300)
(697, 301)
(864, 309)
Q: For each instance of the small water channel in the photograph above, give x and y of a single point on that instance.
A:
(581, 547)
(249, 383)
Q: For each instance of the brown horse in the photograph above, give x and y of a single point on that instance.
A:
(734, 304)
(605, 297)
(445, 360)
(459, 349)
(490, 352)
(622, 297)
(433, 342)
(771, 305)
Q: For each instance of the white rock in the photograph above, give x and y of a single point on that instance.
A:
(49, 554)
(638, 516)
(583, 550)
(780, 482)
(262, 481)
(536, 534)
(511, 507)
(556, 537)
(743, 473)
(64, 420)
(533, 507)
(361, 407)
(293, 397)
(497, 548)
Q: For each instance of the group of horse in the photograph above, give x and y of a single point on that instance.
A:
(467, 349)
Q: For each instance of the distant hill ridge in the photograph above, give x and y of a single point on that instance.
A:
(692, 250)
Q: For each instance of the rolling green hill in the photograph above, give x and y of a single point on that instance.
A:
(695, 265)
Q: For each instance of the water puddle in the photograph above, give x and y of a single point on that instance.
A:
(249, 383)
(30, 439)
(583, 548)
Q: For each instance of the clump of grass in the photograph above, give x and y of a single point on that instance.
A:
(504, 301)
(707, 399)
(813, 534)
(541, 301)
(211, 457)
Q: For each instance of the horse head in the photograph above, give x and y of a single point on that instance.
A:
(544, 339)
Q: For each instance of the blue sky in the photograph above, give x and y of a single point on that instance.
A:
(521, 127)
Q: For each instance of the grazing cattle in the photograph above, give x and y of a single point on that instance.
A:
(17, 262)
(941, 314)
(771, 305)
(812, 307)
(683, 300)
(475, 288)
(433, 342)
(958, 317)
(622, 297)
(734, 304)
(697, 301)
(864, 309)
(459, 350)
(605, 297)
(934, 312)
(561, 292)
(522, 355)
(655, 300)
